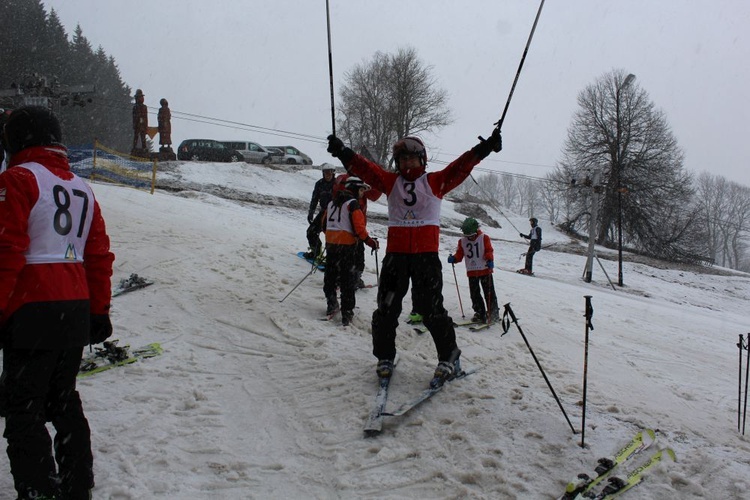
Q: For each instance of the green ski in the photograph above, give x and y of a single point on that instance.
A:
(617, 486)
(584, 483)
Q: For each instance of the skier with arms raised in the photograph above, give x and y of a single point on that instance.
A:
(414, 200)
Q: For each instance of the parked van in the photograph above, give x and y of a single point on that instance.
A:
(207, 150)
(293, 155)
(253, 152)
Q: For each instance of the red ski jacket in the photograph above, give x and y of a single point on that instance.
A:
(420, 239)
(38, 289)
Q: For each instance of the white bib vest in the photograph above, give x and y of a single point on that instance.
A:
(474, 253)
(60, 221)
(413, 204)
(338, 217)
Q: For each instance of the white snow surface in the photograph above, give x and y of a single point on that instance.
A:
(257, 398)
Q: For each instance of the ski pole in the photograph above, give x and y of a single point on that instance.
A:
(747, 375)
(488, 294)
(520, 65)
(330, 70)
(739, 384)
(589, 326)
(509, 311)
(455, 280)
(377, 270)
(298, 284)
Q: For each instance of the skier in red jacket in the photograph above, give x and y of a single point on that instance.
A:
(414, 199)
(476, 248)
(55, 271)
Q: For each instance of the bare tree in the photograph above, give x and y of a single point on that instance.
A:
(618, 131)
(724, 218)
(387, 98)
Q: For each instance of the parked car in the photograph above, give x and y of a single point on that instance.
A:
(206, 150)
(254, 152)
(293, 155)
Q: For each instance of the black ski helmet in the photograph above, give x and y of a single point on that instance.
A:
(30, 126)
(470, 226)
(534, 221)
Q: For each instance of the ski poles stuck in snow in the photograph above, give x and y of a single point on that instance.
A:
(743, 345)
(589, 326)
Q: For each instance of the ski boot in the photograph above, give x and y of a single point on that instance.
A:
(447, 370)
(346, 317)
(385, 368)
(479, 318)
(333, 307)
(414, 318)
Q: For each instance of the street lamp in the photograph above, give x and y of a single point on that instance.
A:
(628, 80)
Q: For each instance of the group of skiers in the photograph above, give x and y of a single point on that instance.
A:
(411, 260)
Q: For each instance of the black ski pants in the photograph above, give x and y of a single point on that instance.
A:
(425, 272)
(533, 248)
(313, 234)
(40, 387)
(341, 271)
(486, 284)
(360, 257)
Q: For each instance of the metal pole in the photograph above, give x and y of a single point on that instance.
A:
(520, 65)
(589, 326)
(739, 384)
(300, 282)
(595, 188)
(747, 374)
(330, 70)
(377, 270)
(628, 80)
(455, 280)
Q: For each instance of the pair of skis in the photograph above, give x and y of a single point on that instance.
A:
(474, 326)
(584, 485)
(374, 424)
(110, 355)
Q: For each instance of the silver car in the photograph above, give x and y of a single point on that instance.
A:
(254, 152)
(293, 155)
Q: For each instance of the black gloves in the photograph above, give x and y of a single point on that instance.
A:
(487, 146)
(101, 328)
(338, 150)
(335, 145)
(310, 217)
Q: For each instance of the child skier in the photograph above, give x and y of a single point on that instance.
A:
(372, 195)
(344, 225)
(480, 262)
(414, 199)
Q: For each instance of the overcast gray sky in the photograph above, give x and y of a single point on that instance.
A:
(265, 63)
